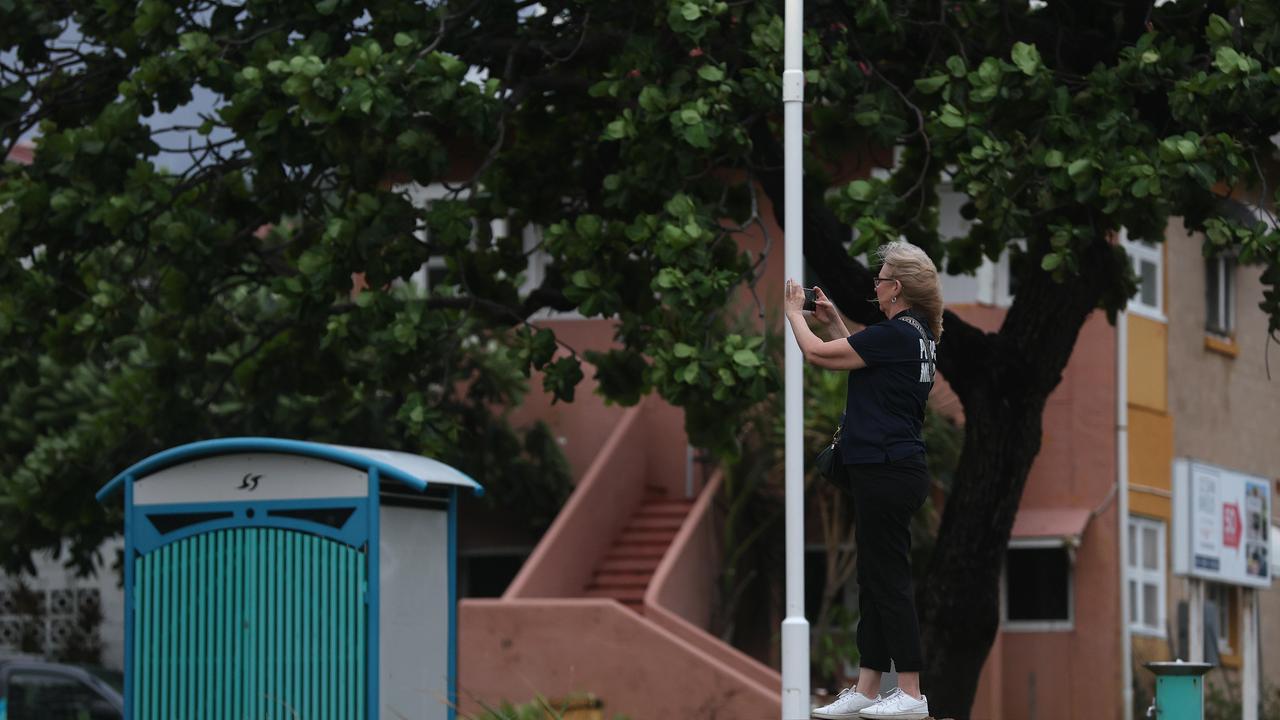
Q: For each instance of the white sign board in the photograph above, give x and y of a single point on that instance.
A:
(245, 477)
(1221, 523)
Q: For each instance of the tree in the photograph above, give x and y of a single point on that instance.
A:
(644, 138)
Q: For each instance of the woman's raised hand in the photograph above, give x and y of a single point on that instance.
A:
(825, 312)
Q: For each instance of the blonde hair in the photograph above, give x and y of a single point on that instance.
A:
(921, 289)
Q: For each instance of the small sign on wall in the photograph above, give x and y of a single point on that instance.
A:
(1221, 525)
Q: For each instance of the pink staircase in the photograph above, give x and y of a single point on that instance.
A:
(627, 568)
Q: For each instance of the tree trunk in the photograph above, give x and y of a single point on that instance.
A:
(1003, 382)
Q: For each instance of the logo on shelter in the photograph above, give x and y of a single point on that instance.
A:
(249, 482)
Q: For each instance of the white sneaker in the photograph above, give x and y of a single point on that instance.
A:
(898, 705)
(848, 705)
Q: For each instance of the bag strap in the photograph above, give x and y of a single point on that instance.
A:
(915, 324)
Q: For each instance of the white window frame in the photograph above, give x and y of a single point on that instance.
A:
(1138, 577)
(1140, 251)
(1067, 625)
(1224, 324)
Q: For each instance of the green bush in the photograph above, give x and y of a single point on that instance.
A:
(1224, 703)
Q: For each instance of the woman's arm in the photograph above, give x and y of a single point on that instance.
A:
(836, 354)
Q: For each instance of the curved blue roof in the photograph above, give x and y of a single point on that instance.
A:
(413, 470)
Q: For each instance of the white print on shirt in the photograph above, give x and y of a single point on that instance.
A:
(927, 350)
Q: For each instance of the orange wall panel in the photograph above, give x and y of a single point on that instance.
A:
(1151, 506)
(1150, 463)
(1148, 363)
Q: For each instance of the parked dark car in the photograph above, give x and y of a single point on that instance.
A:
(33, 689)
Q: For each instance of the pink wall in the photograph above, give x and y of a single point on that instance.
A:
(1072, 673)
(519, 649)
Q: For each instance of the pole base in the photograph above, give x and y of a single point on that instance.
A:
(795, 669)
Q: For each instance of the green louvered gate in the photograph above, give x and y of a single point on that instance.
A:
(250, 623)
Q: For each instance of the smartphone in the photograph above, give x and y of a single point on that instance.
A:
(810, 299)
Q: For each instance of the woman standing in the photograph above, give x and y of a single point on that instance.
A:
(882, 453)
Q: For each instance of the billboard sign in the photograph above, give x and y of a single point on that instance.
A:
(1221, 524)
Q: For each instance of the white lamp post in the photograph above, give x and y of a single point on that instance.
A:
(795, 628)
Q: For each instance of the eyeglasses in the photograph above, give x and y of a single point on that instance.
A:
(876, 282)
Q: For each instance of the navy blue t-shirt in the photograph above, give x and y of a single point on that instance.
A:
(884, 412)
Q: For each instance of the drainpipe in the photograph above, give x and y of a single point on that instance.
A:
(1122, 492)
(795, 628)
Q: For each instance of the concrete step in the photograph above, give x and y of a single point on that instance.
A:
(665, 508)
(628, 595)
(655, 523)
(635, 552)
(646, 537)
(620, 580)
(625, 565)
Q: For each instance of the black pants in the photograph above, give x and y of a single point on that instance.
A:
(885, 497)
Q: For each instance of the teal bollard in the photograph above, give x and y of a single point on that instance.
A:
(1179, 690)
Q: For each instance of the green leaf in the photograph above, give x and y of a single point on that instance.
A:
(326, 7)
(1051, 262)
(697, 136)
(951, 117)
(403, 40)
(616, 130)
(1149, 57)
(1217, 30)
(652, 99)
(989, 72)
(931, 84)
(689, 116)
(682, 350)
(711, 73)
(1227, 60)
(746, 359)
(955, 64)
(690, 11)
(1078, 167)
(859, 190)
(1187, 149)
(1053, 159)
(1026, 57)
(588, 226)
(867, 118)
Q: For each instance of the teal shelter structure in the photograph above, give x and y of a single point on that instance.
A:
(1179, 690)
(270, 578)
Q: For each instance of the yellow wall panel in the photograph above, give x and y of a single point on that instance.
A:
(1148, 363)
(1150, 462)
(1150, 506)
(1150, 448)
